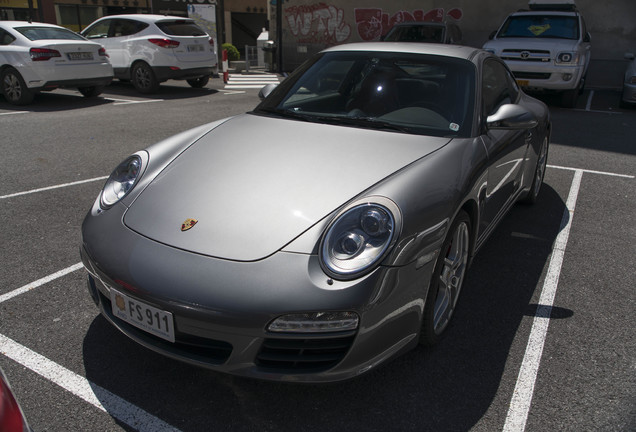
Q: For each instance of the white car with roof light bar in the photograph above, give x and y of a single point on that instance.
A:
(150, 49)
(547, 48)
(38, 57)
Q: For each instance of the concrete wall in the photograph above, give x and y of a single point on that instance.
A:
(309, 26)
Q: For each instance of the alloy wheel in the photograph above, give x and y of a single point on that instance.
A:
(451, 277)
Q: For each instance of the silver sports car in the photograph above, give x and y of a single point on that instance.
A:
(326, 231)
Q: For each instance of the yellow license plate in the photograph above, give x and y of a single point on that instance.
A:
(523, 83)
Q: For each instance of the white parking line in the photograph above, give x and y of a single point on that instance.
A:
(592, 171)
(53, 187)
(76, 384)
(39, 282)
(14, 112)
(524, 389)
(119, 102)
(589, 101)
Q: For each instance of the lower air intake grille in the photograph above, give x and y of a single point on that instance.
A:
(304, 355)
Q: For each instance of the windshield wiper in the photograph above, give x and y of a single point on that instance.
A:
(372, 122)
(289, 114)
(365, 122)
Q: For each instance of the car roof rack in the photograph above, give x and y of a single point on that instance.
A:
(552, 5)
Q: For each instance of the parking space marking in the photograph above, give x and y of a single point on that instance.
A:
(131, 102)
(39, 282)
(522, 396)
(83, 388)
(63, 185)
(589, 101)
(14, 112)
(592, 171)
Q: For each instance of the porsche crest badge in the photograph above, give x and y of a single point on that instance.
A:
(189, 223)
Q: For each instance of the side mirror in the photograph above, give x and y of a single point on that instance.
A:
(265, 91)
(587, 38)
(629, 56)
(510, 117)
(492, 35)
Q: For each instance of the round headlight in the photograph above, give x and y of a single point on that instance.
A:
(121, 181)
(357, 240)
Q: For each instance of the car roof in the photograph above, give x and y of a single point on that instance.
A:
(546, 12)
(148, 18)
(13, 24)
(446, 50)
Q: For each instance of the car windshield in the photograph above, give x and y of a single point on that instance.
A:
(416, 33)
(180, 28)
(40, 33)
(541, 26)
(412, 93)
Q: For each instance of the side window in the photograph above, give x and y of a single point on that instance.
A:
(99, 30)
(124, 27)
(498, 86)
(5, 38)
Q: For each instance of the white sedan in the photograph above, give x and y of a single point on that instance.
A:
(38, 57)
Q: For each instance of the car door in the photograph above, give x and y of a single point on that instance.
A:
(506, 148)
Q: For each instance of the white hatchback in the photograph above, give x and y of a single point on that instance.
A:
(40, 57)
(149, 49)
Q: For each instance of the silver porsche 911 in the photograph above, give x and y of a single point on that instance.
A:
(326, 231)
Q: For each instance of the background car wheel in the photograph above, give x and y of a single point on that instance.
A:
(91, 91)
(539, 174)
(199, 82)
(14, 88)
(143, 78)
(447, 280)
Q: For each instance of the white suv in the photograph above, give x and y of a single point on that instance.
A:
(547, 48)
(149, 49)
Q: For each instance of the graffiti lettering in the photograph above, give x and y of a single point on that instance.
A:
(373, 23)
(318, 23)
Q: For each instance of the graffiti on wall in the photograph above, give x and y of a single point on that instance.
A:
(325, 23)
(318, 23)
(373, 23)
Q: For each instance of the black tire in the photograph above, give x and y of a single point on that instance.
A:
(14, 88)
(91, 92)
(447, 280)
(199, 82)
(539, 174)
(143, 78)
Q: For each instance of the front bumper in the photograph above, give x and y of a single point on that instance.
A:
(553, 78)
(222, 309)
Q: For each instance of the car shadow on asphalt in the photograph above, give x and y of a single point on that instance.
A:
(168, 90)
(68, 100)
(447, 387)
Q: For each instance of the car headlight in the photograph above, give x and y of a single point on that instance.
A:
(567, 57)
(121, 181)
(357, 240)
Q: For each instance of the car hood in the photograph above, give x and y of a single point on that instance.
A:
(554, 45)
(256, 183)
